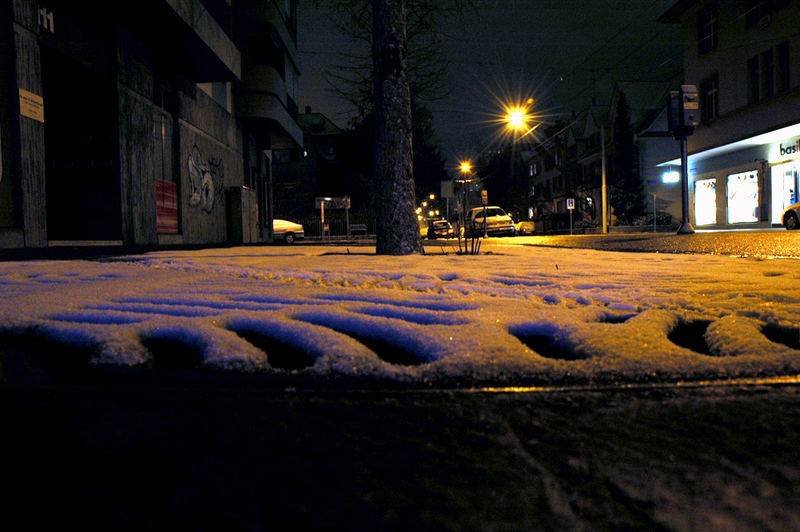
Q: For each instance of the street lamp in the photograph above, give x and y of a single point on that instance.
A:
(518, 116)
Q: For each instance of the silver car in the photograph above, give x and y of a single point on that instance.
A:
(791, 216)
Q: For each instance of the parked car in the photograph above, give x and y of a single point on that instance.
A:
(498, 222)
(525, 228)
(287, 231)
(440, 228)
(791, 216)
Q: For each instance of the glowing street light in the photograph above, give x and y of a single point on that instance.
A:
(466, 167)
(517, 116)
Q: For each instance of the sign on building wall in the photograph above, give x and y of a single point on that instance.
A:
(31, 105)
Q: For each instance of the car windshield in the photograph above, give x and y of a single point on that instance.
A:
(493, 211)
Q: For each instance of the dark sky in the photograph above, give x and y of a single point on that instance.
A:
(561, 53)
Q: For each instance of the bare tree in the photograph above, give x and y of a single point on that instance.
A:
(383, 86)
(397, 230)
(351, 75)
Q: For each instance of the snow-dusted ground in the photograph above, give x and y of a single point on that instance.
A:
(512, 315)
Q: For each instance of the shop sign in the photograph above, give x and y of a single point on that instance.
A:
(31, 105)
(790, 149)
(785, 150)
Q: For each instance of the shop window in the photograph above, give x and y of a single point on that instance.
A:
(707, 29)
(784, 188)
(743, 197)
(709, 98)
(705, 201)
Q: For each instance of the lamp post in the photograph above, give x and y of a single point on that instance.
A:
(683, 116)
(466, 173)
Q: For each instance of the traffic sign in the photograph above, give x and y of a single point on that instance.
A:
(570, 203)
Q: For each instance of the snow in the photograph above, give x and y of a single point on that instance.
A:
(515, 314)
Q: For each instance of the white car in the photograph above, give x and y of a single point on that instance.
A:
(791, 216)
(287, 231)
(497, 222)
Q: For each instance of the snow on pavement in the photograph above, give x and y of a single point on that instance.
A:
(514, 315)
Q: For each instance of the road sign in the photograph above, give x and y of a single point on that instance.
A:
(570, 203)
(484, 197)
(333, 203)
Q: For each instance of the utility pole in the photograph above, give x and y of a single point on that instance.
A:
(603, 171)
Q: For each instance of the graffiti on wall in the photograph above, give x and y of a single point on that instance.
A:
(205, 180)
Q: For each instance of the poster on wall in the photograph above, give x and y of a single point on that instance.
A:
(31, 105)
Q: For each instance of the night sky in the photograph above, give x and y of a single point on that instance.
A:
(561, 53)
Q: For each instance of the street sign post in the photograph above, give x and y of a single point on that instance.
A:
(485, 202)
(570, 208)
(682, 118)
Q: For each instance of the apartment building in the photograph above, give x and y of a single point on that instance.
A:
(744, 157)
(143, 124)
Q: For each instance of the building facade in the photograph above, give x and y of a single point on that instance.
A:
(149, 124)
(744, 157)
(300, 176)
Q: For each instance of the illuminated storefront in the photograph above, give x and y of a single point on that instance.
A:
(747, 183)
(785, 167)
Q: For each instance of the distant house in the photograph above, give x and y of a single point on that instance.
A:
(744, 157)
(568, 164)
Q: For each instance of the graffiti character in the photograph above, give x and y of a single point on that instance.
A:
(201, 180)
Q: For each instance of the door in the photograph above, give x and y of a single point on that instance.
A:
(83, 195)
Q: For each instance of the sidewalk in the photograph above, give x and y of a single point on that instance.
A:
(175, 448)
(750, 242)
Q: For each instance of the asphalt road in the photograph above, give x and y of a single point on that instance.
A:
(745, 243)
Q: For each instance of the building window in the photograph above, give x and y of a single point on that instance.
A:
(709, 98)
(768, 73)
(759, 12)
(782, 70)
(707, 29)
(753, 93)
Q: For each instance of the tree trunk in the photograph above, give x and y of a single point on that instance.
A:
(397, 230)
